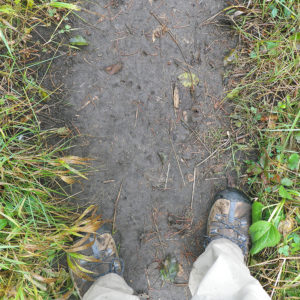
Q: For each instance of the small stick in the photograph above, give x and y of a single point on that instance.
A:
(148, 281)
(195, 133)
(193, 191)
(115, 208)
(273, 260)
(177, 162)
(210, 19)
(167, 176)
(181, 284)
(278, 277)
(212, 154)
(136, 116)
(157, 231)
(109, 181)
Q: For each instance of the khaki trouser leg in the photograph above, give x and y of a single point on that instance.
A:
(110, 287)
(221, 274)
(218, 274)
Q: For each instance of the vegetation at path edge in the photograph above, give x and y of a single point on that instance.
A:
(264, 89)
(37, 226)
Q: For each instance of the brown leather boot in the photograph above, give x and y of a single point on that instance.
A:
(102, 259)
(230, 218)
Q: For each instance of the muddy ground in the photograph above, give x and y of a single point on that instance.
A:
(166, 163)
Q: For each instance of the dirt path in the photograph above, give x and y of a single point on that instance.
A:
(129, 125)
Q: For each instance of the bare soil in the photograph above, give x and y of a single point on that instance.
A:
(143, 148)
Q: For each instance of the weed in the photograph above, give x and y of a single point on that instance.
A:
(265, 91)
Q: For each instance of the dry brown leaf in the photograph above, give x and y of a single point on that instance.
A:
(180, 271)
(26, 118)
(269, 118)
(82, 247)
(176, 97)
(43, 279)
(89, 228)
(67, 179)
(114, 69)
(31, 247)
(63, 131)
(286, 226)
(158, 32)
(91, 209)
(190, 177)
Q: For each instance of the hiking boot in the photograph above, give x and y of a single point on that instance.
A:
(230, 218)
(101, 258)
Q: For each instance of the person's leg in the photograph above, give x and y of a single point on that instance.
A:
(220, 272)
(111, 287)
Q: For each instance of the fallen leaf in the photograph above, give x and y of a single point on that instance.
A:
(64, 131)
(67, 179)
(78, 40)
(188, 79)
(286, 226)
(230, 58)
(158, 32)
(43, 279)
(26, 118)
(269, 117)
(176, 97)
(43, 93)
(185, 116)
(190, 177)
(233, 93)
(114, 69)
(162, 156)
(180, 271)
(238, 13)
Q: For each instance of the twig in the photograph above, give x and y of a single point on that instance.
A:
(212, 154)
(158, 234)
(210, 18)
(171, 35)
(274, 260)
(278, 277)
(148, 281)
(177, 162)
(193, 191)
(115, 208)
(167, 176)
(195, 133)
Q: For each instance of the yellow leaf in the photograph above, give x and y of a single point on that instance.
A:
(188, 79)
(67, 179)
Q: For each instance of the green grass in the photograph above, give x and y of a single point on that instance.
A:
(264, 82)
(37, 227)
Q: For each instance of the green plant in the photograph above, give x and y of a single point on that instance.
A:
(266, 109)
(169, 269)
